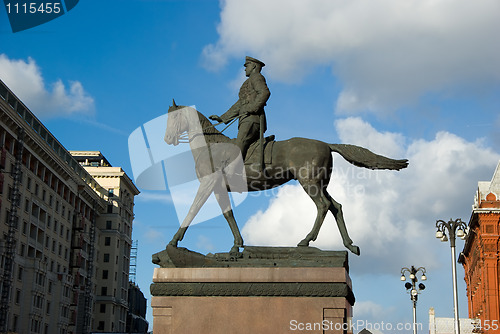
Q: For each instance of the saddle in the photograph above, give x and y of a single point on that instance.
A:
(253, 153)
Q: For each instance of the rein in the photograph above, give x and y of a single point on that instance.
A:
(184, 137)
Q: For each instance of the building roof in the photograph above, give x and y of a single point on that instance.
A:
(90, 158)
(488, 192)
(495, 181)
(365, 331)
(438, 325)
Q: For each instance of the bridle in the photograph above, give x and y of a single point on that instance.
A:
(184, 137)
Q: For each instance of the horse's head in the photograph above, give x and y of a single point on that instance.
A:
(176, 124)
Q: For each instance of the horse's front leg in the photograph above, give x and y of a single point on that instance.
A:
(222, 197)
(206, 187)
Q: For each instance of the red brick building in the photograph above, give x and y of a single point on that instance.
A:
(480, 256)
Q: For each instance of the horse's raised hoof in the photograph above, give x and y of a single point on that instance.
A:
(354, 249)
(303, 243)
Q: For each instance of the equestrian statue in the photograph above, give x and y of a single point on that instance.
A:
(251, 162)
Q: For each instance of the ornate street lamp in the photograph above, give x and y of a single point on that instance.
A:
(413, 289)
(455, 228)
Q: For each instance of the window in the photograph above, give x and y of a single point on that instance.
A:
(100, 326)
(102, 308)
(106, 257)
(108, 224)
(14, 325)
(20, 273)
(107, 241)
(104, 274)
(22, 249)
(110, 208)
(104, 291)
(18, 296)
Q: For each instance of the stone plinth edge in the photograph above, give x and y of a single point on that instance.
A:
(177, 257)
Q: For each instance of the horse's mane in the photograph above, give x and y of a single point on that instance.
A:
(212, 135)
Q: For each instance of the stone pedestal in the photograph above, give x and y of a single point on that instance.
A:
(249, 294)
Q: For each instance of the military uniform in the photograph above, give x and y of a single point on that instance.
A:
(253, 96)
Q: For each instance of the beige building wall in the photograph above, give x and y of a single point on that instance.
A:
(115, 232)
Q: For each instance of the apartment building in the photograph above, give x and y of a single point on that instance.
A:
(115, 241)
(65, 231)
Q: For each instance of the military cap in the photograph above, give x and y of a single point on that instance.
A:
(253, 60)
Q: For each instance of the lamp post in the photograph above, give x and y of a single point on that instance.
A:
(456, 228)
(413, 289)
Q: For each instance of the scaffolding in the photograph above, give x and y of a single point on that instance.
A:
(89, 298)
(10, 244)
(133, 261)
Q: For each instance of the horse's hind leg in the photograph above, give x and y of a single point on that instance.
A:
(336, 209)
(206, 187)
(315, 191)
(225, 204)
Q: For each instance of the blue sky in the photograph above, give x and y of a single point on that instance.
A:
(414, 79)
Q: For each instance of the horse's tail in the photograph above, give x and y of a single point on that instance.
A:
(362, 157)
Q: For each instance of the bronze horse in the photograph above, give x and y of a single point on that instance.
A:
(308, 161)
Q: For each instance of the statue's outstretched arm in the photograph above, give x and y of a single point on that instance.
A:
(232, 113)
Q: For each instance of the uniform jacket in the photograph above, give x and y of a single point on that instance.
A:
(253, 96)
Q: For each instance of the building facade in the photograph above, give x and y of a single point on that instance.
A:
(480, 257)
(115, 241)
(137, 303)
(53, 232)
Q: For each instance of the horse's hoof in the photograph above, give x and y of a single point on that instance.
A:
(303, 243)
(354, 249)
(234, 250)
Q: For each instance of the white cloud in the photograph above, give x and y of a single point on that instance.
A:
(372, 310)
(386, 53)
(25, 79)
(153, 236)
(388, 214)
(150, 196)
(204, 243)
